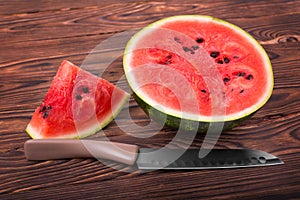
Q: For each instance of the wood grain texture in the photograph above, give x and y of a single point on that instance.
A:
(36, 36)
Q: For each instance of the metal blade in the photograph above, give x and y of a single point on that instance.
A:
(215, 159)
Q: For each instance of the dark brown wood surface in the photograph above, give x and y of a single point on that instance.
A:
(37, 35)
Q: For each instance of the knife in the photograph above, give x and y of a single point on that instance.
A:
(147, 158)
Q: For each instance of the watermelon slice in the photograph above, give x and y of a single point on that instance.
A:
(78, 104)
(197, 70)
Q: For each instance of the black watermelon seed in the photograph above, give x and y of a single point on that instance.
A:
(249, 77)
(45, 115)
(199, 40)
(167, 60)
(241, 74)
(177, 40)
(186, 49)
(169, 56)
(226, 60)
(195, 47)
(204, 91)
(214, 54)
(85, 90)
(78, 97)
(226, 80)
(241, 91)
(220, 61)
(43, 109)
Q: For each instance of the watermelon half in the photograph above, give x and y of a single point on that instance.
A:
(77, 104)
(193, 70)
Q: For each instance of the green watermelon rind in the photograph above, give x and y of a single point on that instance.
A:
(189, 123)
(185, 124)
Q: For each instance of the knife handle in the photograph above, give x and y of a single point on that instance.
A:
(49, 149)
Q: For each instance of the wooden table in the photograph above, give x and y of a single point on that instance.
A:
(37, 35)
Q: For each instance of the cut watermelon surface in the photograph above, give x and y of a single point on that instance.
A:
(201, 59)
(77, 104)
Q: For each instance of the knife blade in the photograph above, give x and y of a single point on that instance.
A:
(147, 158)
(215, 159)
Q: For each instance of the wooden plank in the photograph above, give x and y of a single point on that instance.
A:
(72, 181)
(37, 35)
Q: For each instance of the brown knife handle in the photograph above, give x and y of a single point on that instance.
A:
(49, 149)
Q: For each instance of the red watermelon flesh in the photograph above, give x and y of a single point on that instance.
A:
(76, 105)
(242, 64)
